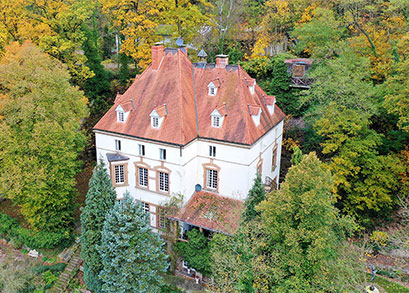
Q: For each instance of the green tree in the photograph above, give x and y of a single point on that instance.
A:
(97, 88)
(196, 252)
(280, 86)
(365, 182)
(99, 201)
(296, 156)
(40, 136)
(256, 195)
(301, 233)
(132, 255)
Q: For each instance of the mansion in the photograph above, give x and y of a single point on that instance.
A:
(197, 129)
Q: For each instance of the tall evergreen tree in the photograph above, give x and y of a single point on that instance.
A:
(132, 255)
(100, 199)
(287, 99)
(97, 88)
(256, 195)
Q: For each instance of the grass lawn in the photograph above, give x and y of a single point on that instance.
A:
(389, 286)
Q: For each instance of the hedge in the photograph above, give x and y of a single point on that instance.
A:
(9, 228)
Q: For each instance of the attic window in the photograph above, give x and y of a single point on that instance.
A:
(212, 89)
(255, 112)
(155, 122)
(121, 116)
(216, 121)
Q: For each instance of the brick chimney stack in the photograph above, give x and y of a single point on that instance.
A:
(222, 61)
(158, 52)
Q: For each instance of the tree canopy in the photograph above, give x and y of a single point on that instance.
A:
(40, 136)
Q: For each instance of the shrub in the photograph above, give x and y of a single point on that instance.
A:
(16, 243)
(58, 267)
(10, 228)
(379, 239)
(49, 279)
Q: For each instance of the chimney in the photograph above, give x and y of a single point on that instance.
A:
(222, 61)
(158, 52)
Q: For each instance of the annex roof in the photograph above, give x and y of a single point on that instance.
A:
(212, 212)
(183, 87)
(114, 157)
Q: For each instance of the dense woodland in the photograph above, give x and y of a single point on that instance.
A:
(62, 63)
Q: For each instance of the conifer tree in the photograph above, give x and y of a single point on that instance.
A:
(100, 199)
(132, 255)
(256, 195)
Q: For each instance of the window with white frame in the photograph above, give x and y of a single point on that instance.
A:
(141, 150)
(212, 151)
(163, 181)
(145, 207)
(212, 89)
(119, 174)
(274, 158)
(121, 116)
(143, 177)
(211, 178)
(155, 122)
(215, 121)
(117, 144)
(164, 223)
(162, 154)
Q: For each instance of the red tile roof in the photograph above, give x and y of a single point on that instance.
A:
(178, 83)
(212, 212)
(270, 100)
(161, 110)
(254, 110)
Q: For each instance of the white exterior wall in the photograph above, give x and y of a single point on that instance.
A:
(237, 163)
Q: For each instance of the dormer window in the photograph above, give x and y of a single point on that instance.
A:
(122, 112)
(270, 102)
(216, 121)
(158, 115)
(212, 89)
(155, 122)
(121, 116)
(217, 116)
(255, 113)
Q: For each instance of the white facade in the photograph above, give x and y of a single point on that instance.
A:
(236, 166)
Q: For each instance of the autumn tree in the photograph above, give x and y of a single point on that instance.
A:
(99, 201)
(40, 136)
(296, 245)
(365, 181)
(132, 254)
(140, 22)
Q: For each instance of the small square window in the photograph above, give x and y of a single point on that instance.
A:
(141, 150)
(155, 122)
(117, 144)
(164, 222)
(216, 121)
(121, 116)
(162, 154)
(163, 181)
(212, 151)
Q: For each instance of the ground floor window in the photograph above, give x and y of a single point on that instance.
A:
(119, 174)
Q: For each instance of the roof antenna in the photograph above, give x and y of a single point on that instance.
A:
(225, 107)
(132, 104)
